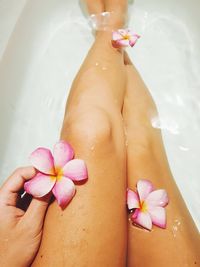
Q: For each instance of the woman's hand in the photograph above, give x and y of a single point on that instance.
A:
(20, 231)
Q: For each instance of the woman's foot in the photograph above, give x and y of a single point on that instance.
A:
(107, 14)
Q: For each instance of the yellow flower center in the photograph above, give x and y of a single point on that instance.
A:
(58, 174)
(126, 37)
(143, 206)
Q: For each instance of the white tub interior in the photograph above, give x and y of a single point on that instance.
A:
(42, 44)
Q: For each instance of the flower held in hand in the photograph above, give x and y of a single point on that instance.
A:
(56, 173)
(147, 205)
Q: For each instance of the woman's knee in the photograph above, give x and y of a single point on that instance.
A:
(89, 127)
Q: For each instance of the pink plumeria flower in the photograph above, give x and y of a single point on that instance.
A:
(147, 205)
(56, 173)
(124, 38)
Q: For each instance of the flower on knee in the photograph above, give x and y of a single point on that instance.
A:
(56, 173)
(147, 205)
(124, 38)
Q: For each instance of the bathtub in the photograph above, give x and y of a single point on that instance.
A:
(43, 43)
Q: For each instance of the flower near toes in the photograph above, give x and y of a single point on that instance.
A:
(124, 38)
(147, 205)
(56, 173)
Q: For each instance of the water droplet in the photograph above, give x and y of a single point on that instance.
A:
(175, 227)
(173, 231)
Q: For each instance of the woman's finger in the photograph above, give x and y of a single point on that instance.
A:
(11, 187)
(36, 212)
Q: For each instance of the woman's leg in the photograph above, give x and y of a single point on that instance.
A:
(178, 244)
(91, 231)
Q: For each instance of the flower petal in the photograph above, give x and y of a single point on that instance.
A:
(123, 42)
(144, 187)
(76, 170)
(64, 191)
(143, 219)
(123, 32)
(158, 216)
(62, 153)
(133, 40)
(42, 160)
(115, 44)
(157, 198)
(132, 200)
(116, 36)
(40, 185)
(135, 214)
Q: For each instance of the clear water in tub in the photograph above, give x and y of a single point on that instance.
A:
(41, 49)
